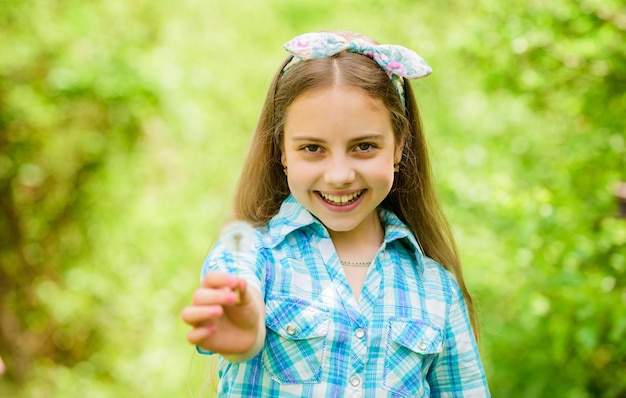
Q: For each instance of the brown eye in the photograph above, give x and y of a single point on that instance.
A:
(311, 148)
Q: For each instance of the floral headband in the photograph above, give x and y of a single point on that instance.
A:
(397, 61)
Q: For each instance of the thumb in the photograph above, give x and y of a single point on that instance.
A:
(241, 288)
(246, 311)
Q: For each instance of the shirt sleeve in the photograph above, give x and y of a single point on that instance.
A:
(458, 370)
(246, 262)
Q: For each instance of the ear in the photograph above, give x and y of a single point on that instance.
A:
(283, 158)
(397, 156)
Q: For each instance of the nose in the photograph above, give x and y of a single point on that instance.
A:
(339, 171)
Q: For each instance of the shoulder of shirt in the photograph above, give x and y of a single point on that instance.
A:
(292, 216)
(436, 278)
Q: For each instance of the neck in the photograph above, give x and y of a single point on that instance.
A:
(359, 244)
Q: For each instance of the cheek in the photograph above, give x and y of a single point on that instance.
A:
(300, 174)
(380, 174)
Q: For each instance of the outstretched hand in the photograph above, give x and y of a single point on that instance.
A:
(222, 323)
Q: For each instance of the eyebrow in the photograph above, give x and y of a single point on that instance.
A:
(369, 137)
(306, 138)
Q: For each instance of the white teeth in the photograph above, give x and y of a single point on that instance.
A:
(341, 200)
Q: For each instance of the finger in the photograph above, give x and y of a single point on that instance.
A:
(216, 280)
(235, 294)
(221, 296)
(200, 334)
(250, 313)
(196, 315)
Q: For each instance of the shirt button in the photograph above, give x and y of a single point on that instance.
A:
(359, 333)
(423, 346)
(291, 330)
(355, 381)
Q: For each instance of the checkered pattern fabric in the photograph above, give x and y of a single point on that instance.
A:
(408, 335)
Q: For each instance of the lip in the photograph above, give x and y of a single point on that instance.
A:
(348, 206)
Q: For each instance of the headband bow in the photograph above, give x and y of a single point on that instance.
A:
(397, 61)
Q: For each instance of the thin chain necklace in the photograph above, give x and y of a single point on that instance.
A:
(356, 263)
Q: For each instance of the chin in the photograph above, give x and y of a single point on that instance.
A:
(337, 227)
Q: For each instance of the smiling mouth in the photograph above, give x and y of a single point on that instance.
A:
(342, 200)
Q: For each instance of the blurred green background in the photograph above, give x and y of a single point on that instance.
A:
(124, 124)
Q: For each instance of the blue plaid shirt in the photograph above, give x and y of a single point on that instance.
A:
(408, 335)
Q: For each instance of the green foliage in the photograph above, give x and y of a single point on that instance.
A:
(566, 251)
(123, 126)
(72, 103)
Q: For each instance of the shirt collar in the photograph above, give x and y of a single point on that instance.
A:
(395, 229)
(293, 216)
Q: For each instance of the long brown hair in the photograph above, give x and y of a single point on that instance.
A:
(263, 186)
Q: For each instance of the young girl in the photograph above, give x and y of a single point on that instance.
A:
(341, 278)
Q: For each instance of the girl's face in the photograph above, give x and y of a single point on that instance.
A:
(339, 151)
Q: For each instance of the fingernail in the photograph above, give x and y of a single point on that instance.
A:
(231, 296)
(211, 328)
